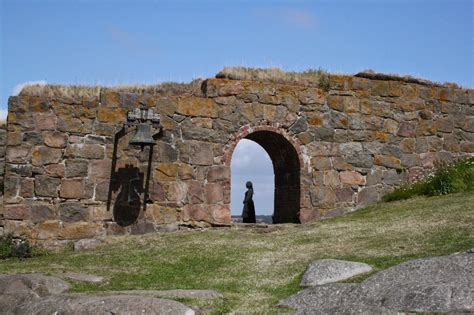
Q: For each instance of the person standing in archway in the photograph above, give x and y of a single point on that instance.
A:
(248, 213)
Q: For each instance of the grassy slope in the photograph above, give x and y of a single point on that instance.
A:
(254, 268)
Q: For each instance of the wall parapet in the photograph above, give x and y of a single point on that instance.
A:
(70, 174)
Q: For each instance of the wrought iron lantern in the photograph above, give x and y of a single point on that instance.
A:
(143, 119)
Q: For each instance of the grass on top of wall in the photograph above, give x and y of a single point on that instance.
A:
(254, 268)
(446, 178)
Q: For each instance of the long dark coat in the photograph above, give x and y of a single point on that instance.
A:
(248, 213)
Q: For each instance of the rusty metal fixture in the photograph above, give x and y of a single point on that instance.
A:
(143, 119)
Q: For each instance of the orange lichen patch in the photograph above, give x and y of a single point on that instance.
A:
(379, 135)
(315, 119)
(112, 115)
(197, 107)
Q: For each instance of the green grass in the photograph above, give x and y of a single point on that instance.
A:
(445, 179)
(254, 268)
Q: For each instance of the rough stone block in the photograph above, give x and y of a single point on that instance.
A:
(161, 214)
(407, 129)
(166, 172)
(200, 107)
(72, 189)
(102, 190)
(46, 186)
(55, 170)
(195, 212)
(323, 197)
(41, 212)
(55, 139)
(368, 195)
(45, 121)
(73, 212)
(17, 154)
(218, 173)
(27, 187)
(81, 230)
(195, 192)
(387, 161)
(331, 270)
(214, 193)
(352, 178)
(112, 115)
(86, 151)
(76, 168)
(45, 155)
(16, 212)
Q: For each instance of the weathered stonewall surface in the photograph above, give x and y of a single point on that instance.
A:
(39, 294)
(437, 284)
(332, 270)
(337, 147)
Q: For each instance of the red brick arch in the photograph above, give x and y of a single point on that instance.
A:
(285, 152)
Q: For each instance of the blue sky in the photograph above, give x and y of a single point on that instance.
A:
(116, 42)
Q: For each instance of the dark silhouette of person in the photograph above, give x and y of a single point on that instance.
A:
(248, 213)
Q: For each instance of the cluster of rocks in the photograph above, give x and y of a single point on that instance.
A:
(436, 284)
(41, 294)
(67, 167)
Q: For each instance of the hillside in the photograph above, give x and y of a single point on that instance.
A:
(256, 267)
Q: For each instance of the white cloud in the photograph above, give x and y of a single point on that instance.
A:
(17, 89)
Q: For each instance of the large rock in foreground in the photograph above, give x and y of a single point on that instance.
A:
(437, 284)
(40, 294)
(331, 270)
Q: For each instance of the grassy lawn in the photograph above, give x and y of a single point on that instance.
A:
(256, 267)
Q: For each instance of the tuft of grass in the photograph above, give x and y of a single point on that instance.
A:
(87, 91)
(311, 77)
(255, 270)
(373, 75)
(446, 179)
(11, 247)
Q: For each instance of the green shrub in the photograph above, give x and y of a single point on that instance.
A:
(10, 247)
(445, 179)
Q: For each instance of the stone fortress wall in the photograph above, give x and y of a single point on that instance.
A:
(70, 173)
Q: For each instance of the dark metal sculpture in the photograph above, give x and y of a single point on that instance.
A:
(248, 213)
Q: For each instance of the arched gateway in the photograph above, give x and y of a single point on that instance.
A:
(334, 147)
(286, 168)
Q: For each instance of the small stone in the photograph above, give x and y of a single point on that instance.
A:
(55, 139)
(299, 126)
(352, 178)
(387, 161)
(331, 270)
(45, 121)
(72, 189)
(45, 155)
(16, 212)
(86, 151)
(218, 173)
(41, 212)
(76, 168)
(214, 193)
(55, 170)
(407, 129)
(73, 212)
(368, 195)
(46, 186)
(323, 197)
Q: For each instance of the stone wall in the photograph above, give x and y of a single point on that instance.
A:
(3, 142)
(70, 173)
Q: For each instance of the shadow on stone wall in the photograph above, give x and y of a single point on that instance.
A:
(130, 184)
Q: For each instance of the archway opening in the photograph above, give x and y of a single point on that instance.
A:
(286, 173)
